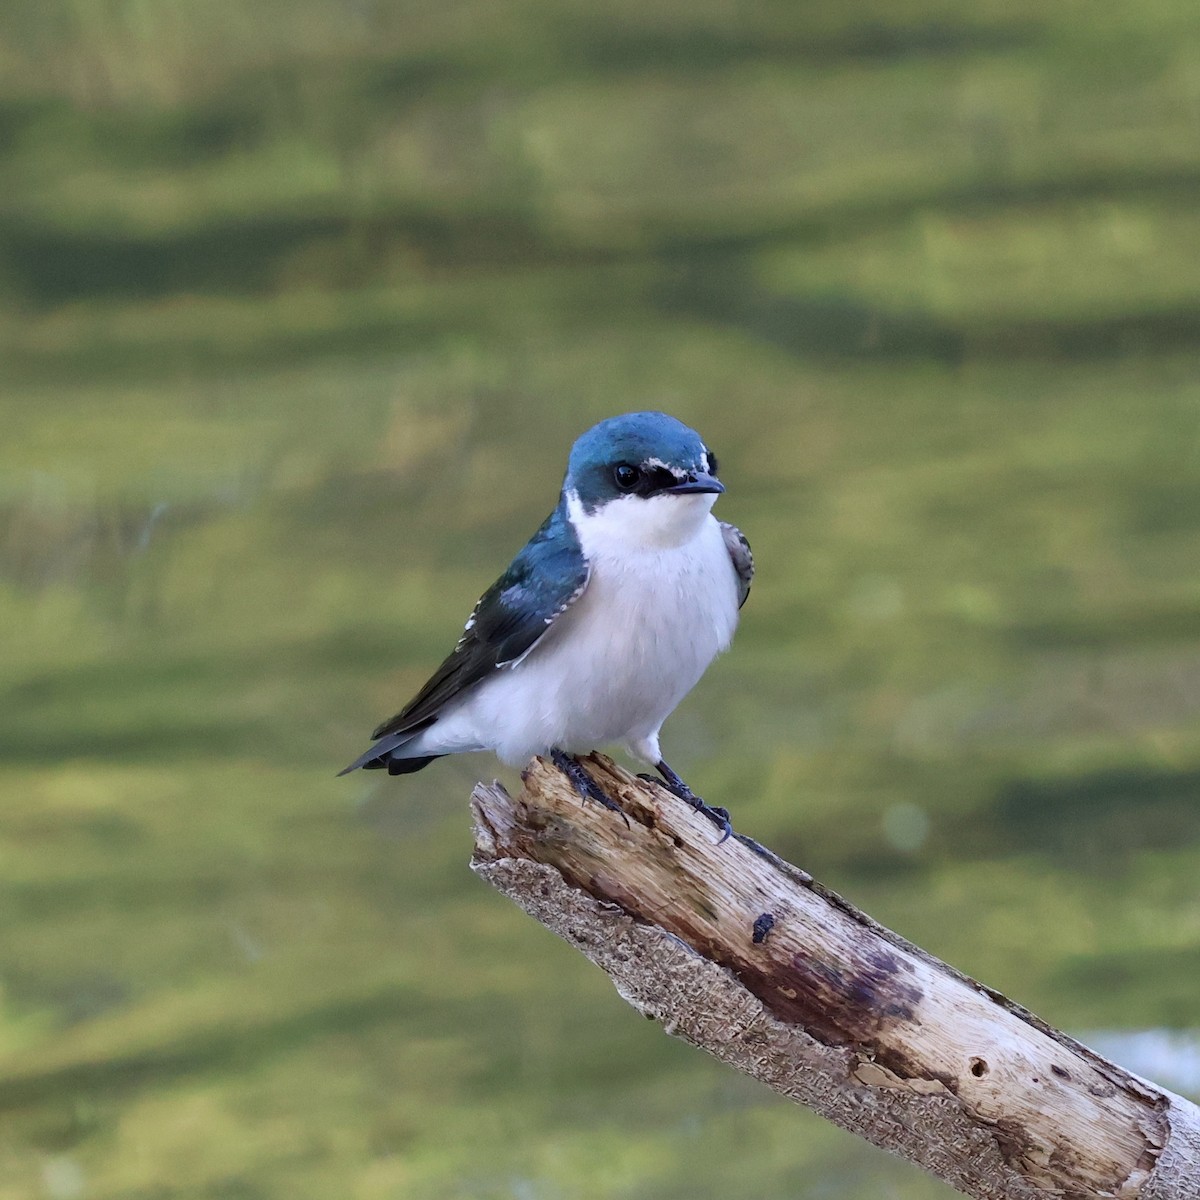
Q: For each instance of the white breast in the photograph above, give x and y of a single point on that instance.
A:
(660, 604)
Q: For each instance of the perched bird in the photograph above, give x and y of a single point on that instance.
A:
(602, 624)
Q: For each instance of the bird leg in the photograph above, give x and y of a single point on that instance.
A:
(583, 783)
(718, 816)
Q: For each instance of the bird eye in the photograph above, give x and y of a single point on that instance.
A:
(627, 477)
(712, 463)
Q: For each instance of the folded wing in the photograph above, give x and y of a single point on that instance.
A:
(543, 581)
(740, 556)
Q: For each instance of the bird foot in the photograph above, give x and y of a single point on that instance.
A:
(718, 816)
(584, 784)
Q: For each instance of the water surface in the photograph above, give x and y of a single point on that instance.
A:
(298, 319)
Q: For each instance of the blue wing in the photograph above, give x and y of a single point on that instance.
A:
(543, 581)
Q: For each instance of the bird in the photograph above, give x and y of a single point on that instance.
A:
(603, 622)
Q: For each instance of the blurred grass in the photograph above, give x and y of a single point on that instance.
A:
(300, 307)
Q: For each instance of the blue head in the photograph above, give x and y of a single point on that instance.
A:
(648, 472)
(640, 454)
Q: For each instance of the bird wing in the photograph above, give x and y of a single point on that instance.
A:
(740, 556)
(543, 581)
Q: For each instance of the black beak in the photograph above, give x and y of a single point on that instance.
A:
(697, 482)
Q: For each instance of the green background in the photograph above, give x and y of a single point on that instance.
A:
(301, 306)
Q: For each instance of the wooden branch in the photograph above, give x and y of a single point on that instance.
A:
(748, 957)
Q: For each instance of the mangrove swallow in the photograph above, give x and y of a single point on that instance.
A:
(601, 625)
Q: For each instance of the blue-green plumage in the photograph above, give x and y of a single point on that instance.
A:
(665, 450)
(641, 586)
(540, 583)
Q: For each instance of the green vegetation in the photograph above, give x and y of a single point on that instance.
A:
(301, 306)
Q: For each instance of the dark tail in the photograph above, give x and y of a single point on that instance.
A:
(400, 766)
(382, 754)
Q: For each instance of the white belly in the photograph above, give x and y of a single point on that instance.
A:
(615, 665)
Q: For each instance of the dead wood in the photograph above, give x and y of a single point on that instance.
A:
(748, 957)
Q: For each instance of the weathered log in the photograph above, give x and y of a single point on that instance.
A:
(749, 958)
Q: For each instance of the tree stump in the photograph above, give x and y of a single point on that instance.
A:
(748, 957)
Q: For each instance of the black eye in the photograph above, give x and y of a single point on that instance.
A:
(712, 463)
(627, 477)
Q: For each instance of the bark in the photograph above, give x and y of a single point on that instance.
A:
(748, 957)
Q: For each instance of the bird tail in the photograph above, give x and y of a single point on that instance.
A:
(383, 754)
(403, 766)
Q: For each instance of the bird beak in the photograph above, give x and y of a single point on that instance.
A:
(697, 481)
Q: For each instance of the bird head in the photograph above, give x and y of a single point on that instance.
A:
(645, 478)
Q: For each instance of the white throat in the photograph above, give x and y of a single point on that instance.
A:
(633, 522)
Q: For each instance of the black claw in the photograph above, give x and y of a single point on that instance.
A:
(584, 784)
(718, 816)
